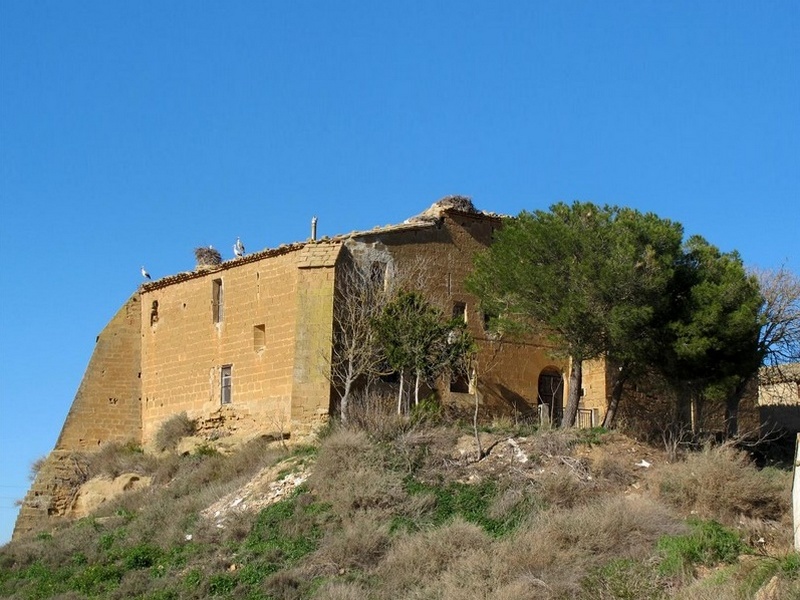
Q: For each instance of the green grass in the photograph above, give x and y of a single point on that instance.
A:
(709, 543)
(471, 502)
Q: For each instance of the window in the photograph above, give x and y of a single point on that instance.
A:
(259, 337)
(154, 313)
(460, 310)
(225, 384)
(216, 300)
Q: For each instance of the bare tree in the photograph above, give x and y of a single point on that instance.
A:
(367, 279)
(780, 332)
(779, 336)
(361, 292)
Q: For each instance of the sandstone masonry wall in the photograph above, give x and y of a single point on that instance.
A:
(185, 347)
(106, 407)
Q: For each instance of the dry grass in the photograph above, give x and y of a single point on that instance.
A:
(173, 430)
(358, 545)
(722, 483)
(351, 474)
(385, 516)
(417, 561)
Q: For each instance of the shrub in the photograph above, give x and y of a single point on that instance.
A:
(415, 559)
(722, 483)
(173, 430)
(350, 473)
(623, 579)
(36, 466)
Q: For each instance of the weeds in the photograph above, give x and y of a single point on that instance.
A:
(173, 430)
(391, 515)
(709, 543)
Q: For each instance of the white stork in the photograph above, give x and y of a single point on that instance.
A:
(238, 248)
(145, 274)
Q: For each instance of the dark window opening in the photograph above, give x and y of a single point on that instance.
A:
(216, 300)
(377, 273)
(154, 313)
(259, 337)
(460, 310)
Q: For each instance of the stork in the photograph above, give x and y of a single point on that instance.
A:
(238, 248)
(145, 274)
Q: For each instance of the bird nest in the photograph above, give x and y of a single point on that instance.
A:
(207, 257)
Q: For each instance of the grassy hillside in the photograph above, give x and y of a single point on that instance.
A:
(404, 511)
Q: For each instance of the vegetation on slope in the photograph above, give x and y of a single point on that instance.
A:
(406, 512)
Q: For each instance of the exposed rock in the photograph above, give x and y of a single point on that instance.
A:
(100, 490)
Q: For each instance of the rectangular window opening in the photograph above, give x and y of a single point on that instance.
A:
(259, 337)
(225, 381)
(216, 300)
(460, 310)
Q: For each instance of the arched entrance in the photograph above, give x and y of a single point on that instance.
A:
(551, 396)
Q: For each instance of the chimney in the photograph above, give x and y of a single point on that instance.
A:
(314, 229)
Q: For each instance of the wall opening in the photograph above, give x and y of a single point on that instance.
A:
(551, 395)
(217, 300)
(259, 337)
(459, 382)
(226, 384)
(154, 313)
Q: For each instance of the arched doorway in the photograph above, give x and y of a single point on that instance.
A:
(551, 396)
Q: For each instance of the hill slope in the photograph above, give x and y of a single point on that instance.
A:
(406, 511)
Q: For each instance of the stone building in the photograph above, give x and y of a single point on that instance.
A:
(779, 397)
(244, 346)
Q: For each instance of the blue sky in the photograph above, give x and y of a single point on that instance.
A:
(133, 132)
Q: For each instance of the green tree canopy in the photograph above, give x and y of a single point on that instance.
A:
(593, 279)
(418, 340)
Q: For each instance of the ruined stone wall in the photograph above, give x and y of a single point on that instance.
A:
(107, 404)
(184, 349)
(437, 259)
(52, 493)
(311, 393)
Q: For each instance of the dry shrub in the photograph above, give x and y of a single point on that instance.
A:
(359, 545)
(552, 442)
(341, 591)
(376, 415)
(173, 430)
(722, 483)
(418, 560)
(561, 487)
(350, 474)
(616, 470)
(113, 459)
(559, 548)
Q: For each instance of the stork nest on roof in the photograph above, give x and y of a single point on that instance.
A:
(207, 257)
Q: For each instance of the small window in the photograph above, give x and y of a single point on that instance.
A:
(225, 381)
(460, 311)
(154, 313)
(216, 300)
(259, 337)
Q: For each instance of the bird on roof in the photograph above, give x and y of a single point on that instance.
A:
(145, 274)
(238, 248)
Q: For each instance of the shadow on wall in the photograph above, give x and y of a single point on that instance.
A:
(513, 404)
(782, 417)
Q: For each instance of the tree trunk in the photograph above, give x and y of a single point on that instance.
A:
(400, 396)
(345, 400)
(574, 396)
(732, 409)
(616, 395)
(416, 389)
